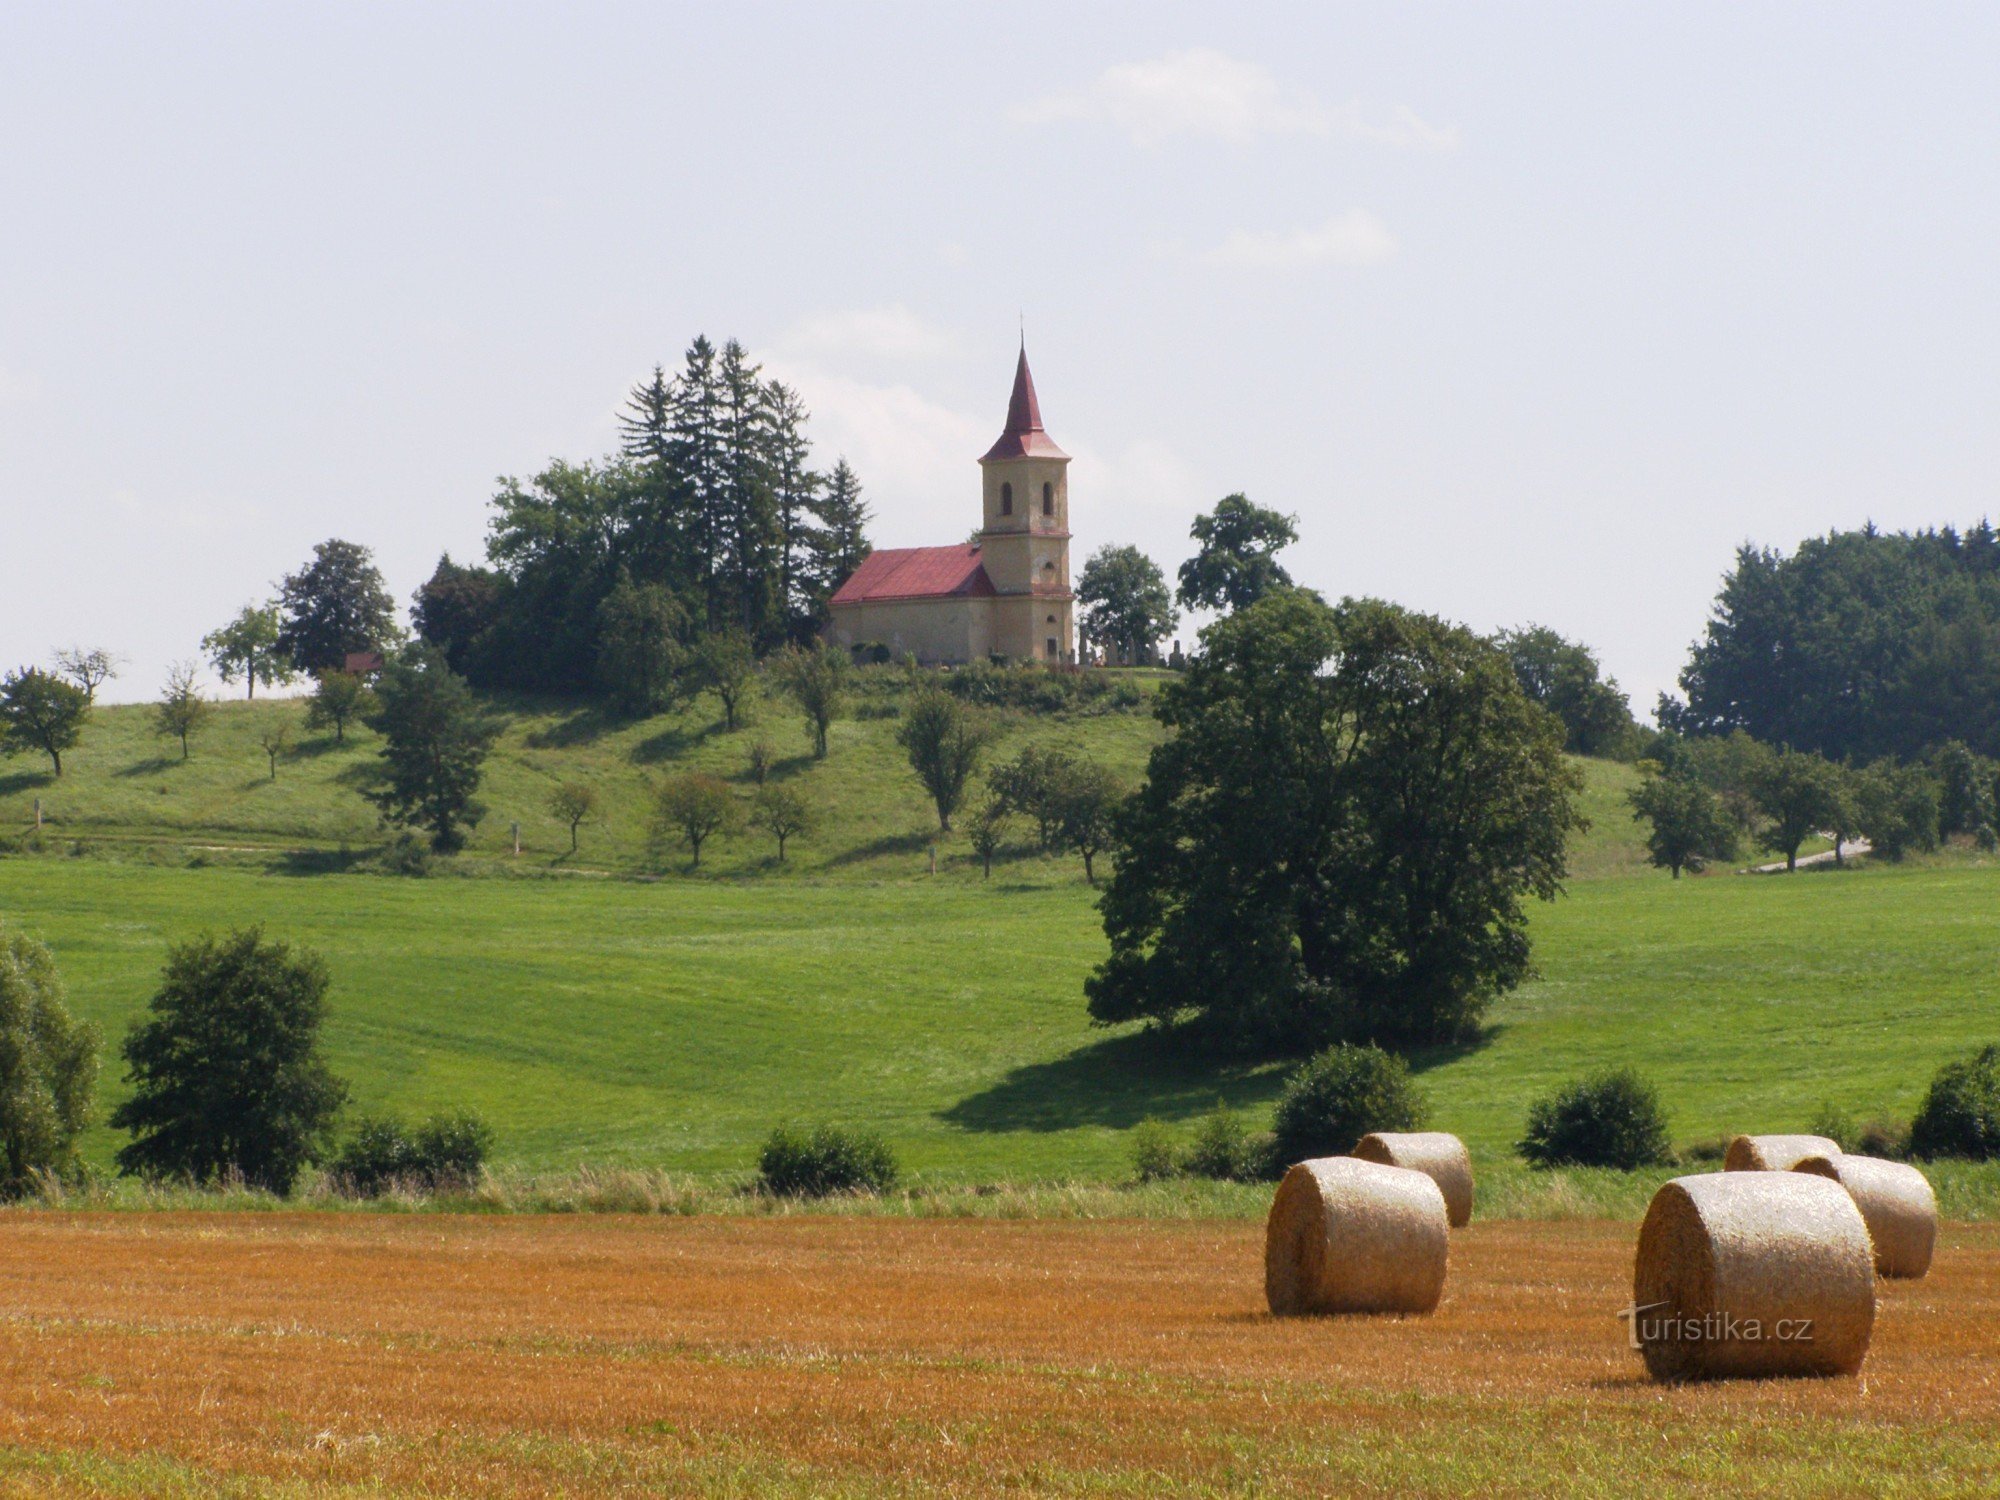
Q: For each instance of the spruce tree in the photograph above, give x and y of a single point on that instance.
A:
(698, 460)
(840, 544)
(795, 490)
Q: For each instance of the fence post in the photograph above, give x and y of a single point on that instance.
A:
(517, 841)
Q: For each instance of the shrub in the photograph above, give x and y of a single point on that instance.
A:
(1837, 1125)
(1883, 1138)
(1153, 1156)
(830, 1159)
(1960, 1115)
(1339, 1096)
(48, 1069)
(1224, 1148)
(446, 1151)
(1610, 1119)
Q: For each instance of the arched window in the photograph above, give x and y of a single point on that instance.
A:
(1006, 499)
(1048, 499)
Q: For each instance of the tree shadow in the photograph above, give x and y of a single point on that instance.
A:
(320, 861)
(152, 766)
(1117, 1082)
(1423, 1059)
(579, 727)
(893, 843)
(671, 743)
(324, 744)
(26, 781)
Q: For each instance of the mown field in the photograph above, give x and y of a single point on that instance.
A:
(199, 1355)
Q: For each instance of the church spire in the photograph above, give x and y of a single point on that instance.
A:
(1024, 437)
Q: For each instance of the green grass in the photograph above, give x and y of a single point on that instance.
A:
(671, 1024)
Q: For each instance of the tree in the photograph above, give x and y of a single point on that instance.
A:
(988, 829)
(434, 742)
(1564, 677)
(1799, 793)
(1965, 790)
(1125, 602)
(726, 665)
(1689, 825)
(335, 605)
(88, 669)
(276, 741)
(228, 1077)
(782, 811)
(642, 656)
(1335, 839)
(1236, 558)
(693, 808)
(573, 803)
(1086, 805)
(944, 740)
(841, 542)
(816, 676)
(456, 609)
(1896, 809)
(48, 1068)
(181, 709)
(1030, 784)
(337, 698)
(247, 647)
(39, 711)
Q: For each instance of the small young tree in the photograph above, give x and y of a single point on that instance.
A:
(1689, 825)
(574, 803)
(228, 1076)
(182, 709)
(693, 808)
(988, 829)
(338, 698)
(39, 711)
(816, 676)
(944, 740)
(247, 647)
(782, 811)
(760, 761)
(88, 669)
(276, 741)
(434, 742)
(727, 666)
(48, 1068)
(1800, 795)
(1087, 798)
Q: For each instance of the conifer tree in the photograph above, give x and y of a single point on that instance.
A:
(698, 460)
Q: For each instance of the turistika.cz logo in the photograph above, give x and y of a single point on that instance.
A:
(1648, 1325)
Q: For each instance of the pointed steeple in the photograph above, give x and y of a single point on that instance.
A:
(1024, 437)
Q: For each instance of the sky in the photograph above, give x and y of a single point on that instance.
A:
(1529, 313)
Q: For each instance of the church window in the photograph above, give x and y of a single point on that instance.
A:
(1052, 648)
(1006, 499)
(1048, 499)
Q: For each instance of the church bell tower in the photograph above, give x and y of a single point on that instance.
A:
(1024, 538)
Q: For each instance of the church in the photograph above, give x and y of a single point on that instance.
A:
(1006, 592)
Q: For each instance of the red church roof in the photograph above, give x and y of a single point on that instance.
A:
(1024, 437)
(916, 573)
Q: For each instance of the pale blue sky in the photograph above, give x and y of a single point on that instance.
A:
(1530, 312)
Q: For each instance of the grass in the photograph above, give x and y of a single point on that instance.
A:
(204, 1355)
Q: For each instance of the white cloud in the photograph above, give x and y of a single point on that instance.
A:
(1355, 238)
(881, 332)
(15, 387)
(1202, 92)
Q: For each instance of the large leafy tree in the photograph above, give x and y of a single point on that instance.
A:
(1336, 840)
(1799, 794)
(644, 665)
(1236, 558)
(227, 1075)
(247, 647)
(556, 543)
(48, 1068)
(1564, 677)
(435, 737)
(39, 712)
(455, 609)
(944, 740)
(1124, 602)
(1688, 821)
(334, 605)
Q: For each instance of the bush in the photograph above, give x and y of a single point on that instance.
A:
(1339, 1096)
(1610, 1119)
(800, 1164)
(1960, 1116)
(1223, 1148)
(1153, 1156)
(1883, 1138)
(1837, 1125)
(446, 1151)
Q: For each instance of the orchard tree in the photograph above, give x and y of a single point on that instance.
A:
(1236, 561)
(88, 669)
(1031, 784)
(1896, 809)
(48, 1069)
(333, 606)
(181, 709)
(692, 808)
(944, 740)
(1799, 794)
(276, 741)
(781, 810)
(39, 712)
(247, 647)
(1336, 837)
(228, 1077)
(1124, 601)
(338, 698)
(726, 665)
(988, 830)
(1086, 804)
(816, 677)
(435, 737)
(573, 803)
(1689, 824)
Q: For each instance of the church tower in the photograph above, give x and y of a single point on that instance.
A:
(1024, 541)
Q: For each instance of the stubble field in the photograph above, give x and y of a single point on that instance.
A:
(312, 1355)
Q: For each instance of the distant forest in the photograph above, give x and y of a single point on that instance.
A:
(708, 520)
(1861, 644)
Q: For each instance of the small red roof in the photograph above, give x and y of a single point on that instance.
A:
(1024, 437)
(916, 573)
(363, 661)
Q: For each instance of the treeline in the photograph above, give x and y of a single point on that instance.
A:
(708, 521)
(1861, 644)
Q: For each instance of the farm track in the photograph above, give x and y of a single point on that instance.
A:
(231, 1353)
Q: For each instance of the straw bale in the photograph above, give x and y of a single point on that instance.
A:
(1775, 1153)
(1896, 1204)
(1355, 1236)
(1439, 1156)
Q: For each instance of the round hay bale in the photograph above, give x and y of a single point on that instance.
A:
(1439, 1156)
(1354, 1236)
(1775, 1153)
(1752, 1273)
(1896, 1204)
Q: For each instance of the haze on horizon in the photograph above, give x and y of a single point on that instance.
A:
(1530, 313)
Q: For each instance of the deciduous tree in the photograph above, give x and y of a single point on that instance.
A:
(574, 803)
(816, 677)
(782, 811)
(944, 740)
(247, 647)
(1236, 561)
(41, 712)
(88, 669)
(338, 698)
(435, 737)
(48, 1068)
(1689, 826)
(335, 605)
(1124, 603)
(693, 808)
(182, 708)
